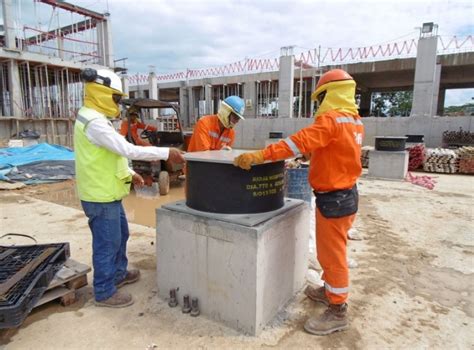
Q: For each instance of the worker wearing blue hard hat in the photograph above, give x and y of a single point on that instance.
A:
(215, 132)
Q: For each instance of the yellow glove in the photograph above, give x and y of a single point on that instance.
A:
(246, 160)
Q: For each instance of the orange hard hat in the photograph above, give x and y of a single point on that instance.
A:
(329, 77)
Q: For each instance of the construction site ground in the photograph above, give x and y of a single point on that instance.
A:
(412, 288)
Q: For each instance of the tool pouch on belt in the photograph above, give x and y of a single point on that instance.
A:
(337, 204)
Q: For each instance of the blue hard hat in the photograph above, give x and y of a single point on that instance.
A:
(236, 104)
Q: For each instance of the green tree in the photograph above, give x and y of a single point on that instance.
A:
(378, 105)
(466, 109)
(391, 104)
(400, 103)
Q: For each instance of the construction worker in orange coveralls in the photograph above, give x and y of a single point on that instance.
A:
(215, 132)
(334, 142)
(134, 126)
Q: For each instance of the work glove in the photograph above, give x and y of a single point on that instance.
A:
(226, 148)
(246, 160)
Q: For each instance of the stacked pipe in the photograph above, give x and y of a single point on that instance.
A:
(466, 160)
(458, 137)
(364, 156)
(416, 155)
(441, 160)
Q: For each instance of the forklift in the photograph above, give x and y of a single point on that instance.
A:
(160, 172)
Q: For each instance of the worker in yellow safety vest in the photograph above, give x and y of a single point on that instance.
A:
(104, 178)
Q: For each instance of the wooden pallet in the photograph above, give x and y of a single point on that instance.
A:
(71, 277)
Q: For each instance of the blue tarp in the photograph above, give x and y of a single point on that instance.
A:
(37, 163)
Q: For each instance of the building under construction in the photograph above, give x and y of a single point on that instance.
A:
(40, 65)
(40, 61)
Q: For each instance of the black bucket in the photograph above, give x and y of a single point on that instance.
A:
(224, 188)
(415, 138)
(275, 135)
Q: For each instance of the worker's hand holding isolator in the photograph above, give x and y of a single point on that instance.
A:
(246, 160)
(176, 156)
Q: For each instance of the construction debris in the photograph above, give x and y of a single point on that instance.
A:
(423, 181)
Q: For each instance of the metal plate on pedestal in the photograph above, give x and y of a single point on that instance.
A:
(248, 220)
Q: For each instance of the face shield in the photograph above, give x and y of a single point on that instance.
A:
(319, 99)
(233, 119)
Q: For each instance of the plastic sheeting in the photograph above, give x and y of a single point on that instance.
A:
(36, 164)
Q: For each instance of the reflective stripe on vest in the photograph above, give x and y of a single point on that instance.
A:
(214, 134)
(292, 146)
(343, 120)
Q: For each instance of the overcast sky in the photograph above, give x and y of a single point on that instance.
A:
(173, 35)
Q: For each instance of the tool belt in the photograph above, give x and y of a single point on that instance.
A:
(337, 204)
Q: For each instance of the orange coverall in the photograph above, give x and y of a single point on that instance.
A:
(334, 141)
(207, 135)
(134, 131)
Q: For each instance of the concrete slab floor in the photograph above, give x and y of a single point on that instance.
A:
(412, 289)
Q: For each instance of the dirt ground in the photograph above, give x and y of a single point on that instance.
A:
(413, 287)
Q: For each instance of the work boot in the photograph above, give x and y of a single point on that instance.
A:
(119, 299)
(332, 320)
(317, 294)
(131, 277)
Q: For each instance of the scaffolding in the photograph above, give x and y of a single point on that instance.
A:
(220, 92)
(267, 99)
(41, 88)
(302, 98)
(50, 92)
(5, 102)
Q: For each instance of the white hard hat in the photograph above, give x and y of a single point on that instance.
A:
(115, 82)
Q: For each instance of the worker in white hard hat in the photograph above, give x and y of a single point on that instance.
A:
(104, 178)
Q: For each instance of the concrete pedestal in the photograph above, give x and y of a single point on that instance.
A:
(388, 165)
(242, 268)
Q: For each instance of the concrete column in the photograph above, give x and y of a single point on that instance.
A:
(184, 106)
(61, 47)
(313, 87)
(425, 91)
(250, 97)
(208, 97)
(436, 84)
(191, 106)
(153, 92)
(8, 24)
(104, 35)
(365, 101)
(285, 83)
(15, 92)
(441, 98)
(125, 84)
